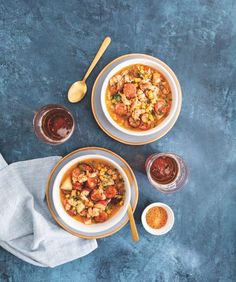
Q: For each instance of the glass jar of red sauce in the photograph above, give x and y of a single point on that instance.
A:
(54, 124)
(167, 172)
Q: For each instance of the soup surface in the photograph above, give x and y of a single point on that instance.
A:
(92, 191)
(138, 97)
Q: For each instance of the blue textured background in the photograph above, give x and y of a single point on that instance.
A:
(47, 45)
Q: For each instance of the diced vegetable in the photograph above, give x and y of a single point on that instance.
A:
(80, 206)
(67, 184)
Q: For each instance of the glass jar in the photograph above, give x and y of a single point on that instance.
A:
(54, 124)
(179, 176)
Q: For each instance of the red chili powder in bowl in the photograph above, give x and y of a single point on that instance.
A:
(156, 217)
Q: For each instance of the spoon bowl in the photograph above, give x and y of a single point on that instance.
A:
(77, 91)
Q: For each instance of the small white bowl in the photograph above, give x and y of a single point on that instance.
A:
(163, 69)
(79, 226)
(167, 227)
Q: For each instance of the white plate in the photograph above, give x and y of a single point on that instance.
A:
(83, 152)
(103, 122)
(72, 222)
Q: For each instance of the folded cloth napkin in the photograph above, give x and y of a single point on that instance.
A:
(27, 229)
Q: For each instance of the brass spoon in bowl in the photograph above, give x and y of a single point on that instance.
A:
(134, 231)
(78, 89)
(133, 228)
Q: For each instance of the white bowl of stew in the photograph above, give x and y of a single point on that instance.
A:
(140, 96)
(91, 193)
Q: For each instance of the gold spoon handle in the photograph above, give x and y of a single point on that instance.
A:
(133, 227)
(99, 54)
(134, 231)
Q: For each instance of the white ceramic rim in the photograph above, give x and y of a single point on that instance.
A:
(166, 228)
(174, 90)
(73, 223)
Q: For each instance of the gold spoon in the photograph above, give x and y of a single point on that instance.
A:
(134, 231)
(78, 89)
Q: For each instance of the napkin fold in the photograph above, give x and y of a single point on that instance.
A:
(27, 229)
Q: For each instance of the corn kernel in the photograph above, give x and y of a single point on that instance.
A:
(150, 95)
(151, 117)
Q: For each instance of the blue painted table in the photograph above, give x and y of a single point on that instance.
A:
(47, 45)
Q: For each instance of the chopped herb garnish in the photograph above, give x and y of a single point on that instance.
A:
(108, 207)
(116, 97)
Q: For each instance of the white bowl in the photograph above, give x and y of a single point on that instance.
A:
(163, 69)
(167, 227)
(73, 223)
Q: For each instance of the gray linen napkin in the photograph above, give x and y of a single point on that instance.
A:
(27, 229)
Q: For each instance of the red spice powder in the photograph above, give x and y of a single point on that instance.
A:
(156, 217)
